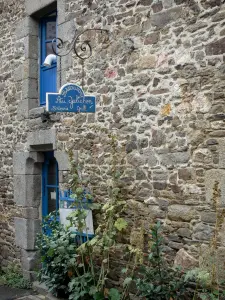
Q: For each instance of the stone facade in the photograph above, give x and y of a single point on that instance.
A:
(159, 82)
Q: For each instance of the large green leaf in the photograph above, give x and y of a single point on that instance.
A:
(127, 281)
(120, 224)
(99, 296)
(114, 294)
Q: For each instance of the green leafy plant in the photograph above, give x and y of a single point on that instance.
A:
(91, 275)
(12, 276)
(158, 280)
(209, 284)
(57, 249)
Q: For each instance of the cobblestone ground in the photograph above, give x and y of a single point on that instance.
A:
(8, 293)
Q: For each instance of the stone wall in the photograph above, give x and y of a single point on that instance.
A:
(159, 82)
(12, 132)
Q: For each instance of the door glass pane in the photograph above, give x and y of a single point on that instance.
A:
(49, 48)
(50, 30)
(52, 199)
(52, 169)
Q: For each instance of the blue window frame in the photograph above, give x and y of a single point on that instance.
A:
(50, 184)
(48, 75)
(51, 194)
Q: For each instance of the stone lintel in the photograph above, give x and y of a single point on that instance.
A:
(39, 7)
(42, 140)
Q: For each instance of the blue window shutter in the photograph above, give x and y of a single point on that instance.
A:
(48, 75)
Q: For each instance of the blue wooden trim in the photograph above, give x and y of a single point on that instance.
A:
(48, 75)
(44, 190)
(48, 156)
(66, 200)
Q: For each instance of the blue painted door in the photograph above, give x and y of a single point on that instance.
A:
(50, 184)
(48, 75)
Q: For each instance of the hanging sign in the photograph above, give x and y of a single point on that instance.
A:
(70, 98)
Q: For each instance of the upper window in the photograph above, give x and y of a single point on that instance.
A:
(48, 74)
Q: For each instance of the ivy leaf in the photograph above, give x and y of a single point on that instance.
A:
(116, 191)
(98, 296)
(203, 297)
(79, 190)
(93, 241)
(96, 206)
(127, 281)
(120, 224)
(93, 290)
(114, 294)
(124, 270)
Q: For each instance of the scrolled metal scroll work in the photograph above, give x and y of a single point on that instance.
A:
(82, 49)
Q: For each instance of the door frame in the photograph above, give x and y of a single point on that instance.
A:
(47, 157)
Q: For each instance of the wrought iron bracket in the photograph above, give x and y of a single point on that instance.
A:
(82, 49)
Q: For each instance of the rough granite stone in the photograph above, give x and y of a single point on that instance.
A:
(157, 76)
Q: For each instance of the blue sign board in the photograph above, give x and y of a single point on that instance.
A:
(70, 98)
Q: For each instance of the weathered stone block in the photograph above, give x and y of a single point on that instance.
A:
(163, 18)
(185, 260)
(212, 176)
(31, 47)
(25, 106)
(216, 48)
(66, 30)
(40, 288)
(63, 159)
(151, 38)
(168, 3)
(30, 213)
(34, 6)
(146, 62)
(178, 212)
(27, 26)
(176, 158)
(29, 260)
(131, 110)
(31, 276)
(158, 138)
(208, 217)
(25, 232)
(221, 151)
(135, 159)
(202, 232)
(140, 79)
(30, 68)
(30, 89)
(25, 163)
(42, 139)
(184, 232)
(157, 7)
(145, 2)
(61, 11)
(27, 190)
(185, 174)
(210, 3)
